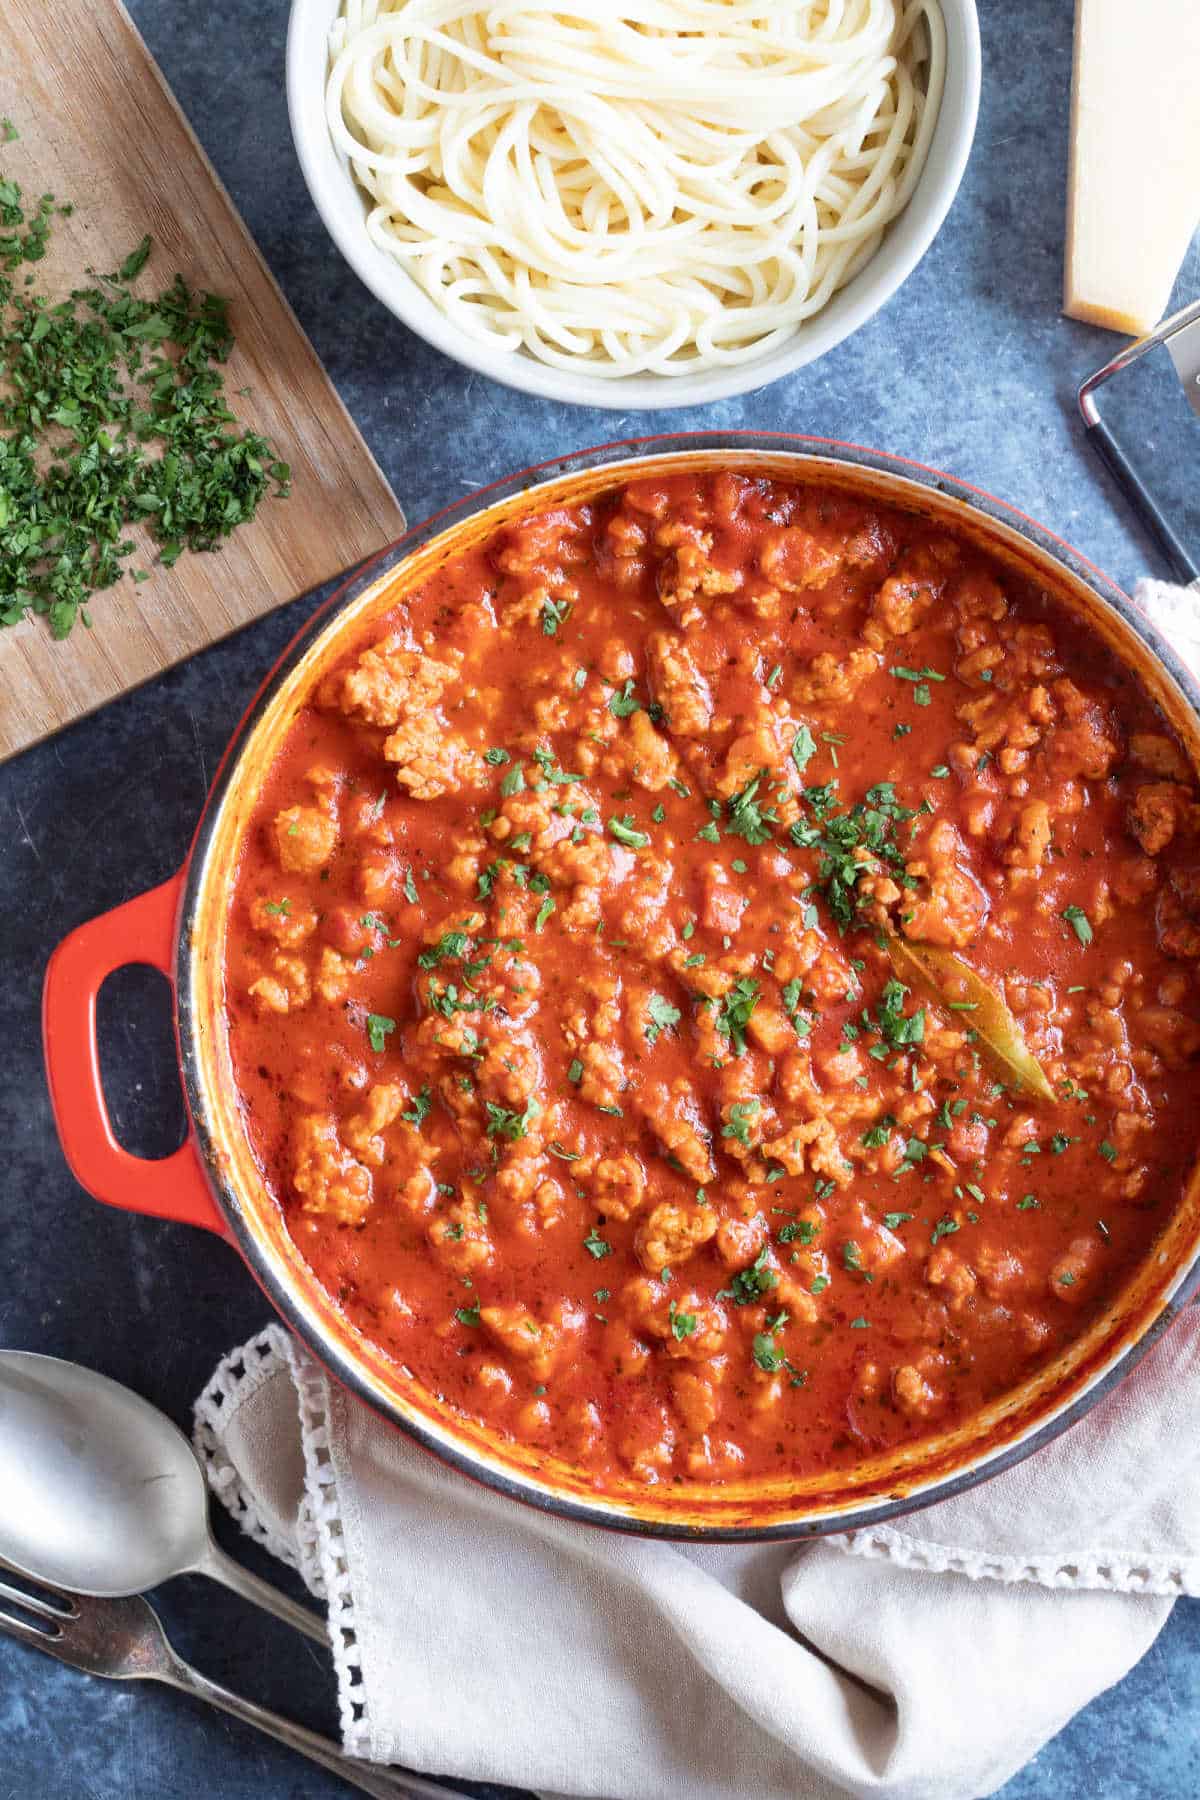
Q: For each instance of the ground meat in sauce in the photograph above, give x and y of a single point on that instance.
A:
(561, 1011)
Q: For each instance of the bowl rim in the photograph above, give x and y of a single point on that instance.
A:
(329, 183)
(1132, 1339)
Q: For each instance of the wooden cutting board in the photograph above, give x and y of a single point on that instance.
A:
(98, 126)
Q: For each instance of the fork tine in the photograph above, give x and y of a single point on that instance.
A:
(46, 1602)
(44, 1637)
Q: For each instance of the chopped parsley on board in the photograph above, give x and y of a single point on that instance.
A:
(113, 413)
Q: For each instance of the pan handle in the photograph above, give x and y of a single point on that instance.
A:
(141, 931)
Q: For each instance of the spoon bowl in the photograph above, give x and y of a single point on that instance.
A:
(101, 1493)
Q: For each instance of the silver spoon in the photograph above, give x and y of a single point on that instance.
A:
(101, 1493)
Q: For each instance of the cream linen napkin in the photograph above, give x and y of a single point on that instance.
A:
(925, 1660)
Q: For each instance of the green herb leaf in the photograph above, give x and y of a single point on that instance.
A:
(804, 748)
(503, 1123)
(623, 702)
(683, 1324)
(625, 833)
(421, 1108)
(749, 1285)
(119, 417)
(378, 1029)
(554, 614)
(735, 1011)
(660, 1016)
(1079, 922)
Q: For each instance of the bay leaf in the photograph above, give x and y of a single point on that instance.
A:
(954, 985)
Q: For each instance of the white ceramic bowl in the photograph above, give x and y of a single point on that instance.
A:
(342, 206)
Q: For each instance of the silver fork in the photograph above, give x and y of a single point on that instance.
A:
(124, 1641)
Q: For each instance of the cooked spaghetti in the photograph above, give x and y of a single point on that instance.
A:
(669, 186)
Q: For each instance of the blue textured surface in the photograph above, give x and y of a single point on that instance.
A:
(970, 367)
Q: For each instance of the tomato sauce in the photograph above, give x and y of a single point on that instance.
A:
(566, 1013)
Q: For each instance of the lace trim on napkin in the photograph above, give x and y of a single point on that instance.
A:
(235, 1378)
(1114, 1571)
(318, 1554)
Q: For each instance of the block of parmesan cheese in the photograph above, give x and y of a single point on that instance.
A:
(1134, 187)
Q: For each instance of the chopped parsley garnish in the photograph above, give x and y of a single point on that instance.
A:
(852, 1260)
(804, 747)
(282, 909)
(625, 833)
(735, 1012)
(468, 1315)
(624, 701)
(769, 1359)
(683, 1324)
(853, 843)
(799, 1231)
(915, 1151)
(575, 1071)
(378, 1027)
(747, 819)
(749, 1285)
(496, 757)
(1078, 920)
(944, 1228)
(554, 614)
(894, 1220)
(511, 1125)
(740, 1115)
(596, 1246)
(451, 944)
(791, 992)
(410, 888)
(543, 912)
(551, 771)
(660, 1016)
(896, 1027)
(421, 1108)
(1108, 1151)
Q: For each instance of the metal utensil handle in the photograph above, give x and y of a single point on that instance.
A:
(385, 1784)
(1147, 508)
(260, 1593)
(1182, 562)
